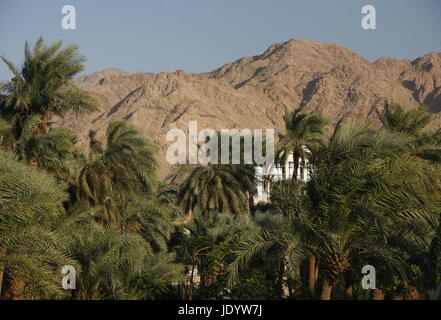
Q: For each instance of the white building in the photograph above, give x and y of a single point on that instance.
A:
(278, 172)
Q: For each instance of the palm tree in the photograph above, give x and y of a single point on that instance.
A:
(413, 122)
(123, 168)
(435, 258)
(276, 238)
(109, 259)
(6, 132)
(291, 201)
(167, 194)
(396, 118)
(215, 188)
(365, 189)
(54, 151)
(302, 130)
(159, 275)
(43, 85)
(205, 244)
(287, 199)
(32, 246)
(149, 218)
(117, 264)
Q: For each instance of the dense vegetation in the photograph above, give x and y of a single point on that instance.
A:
(373, 198)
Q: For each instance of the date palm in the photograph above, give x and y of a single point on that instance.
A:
(206, 245)
(276, 239)
(292, 201)
(149, 218)
(364, 186)
(43, 85)
(117, 262)
(414, 123)
(6, 135)
(302, 129)
(109, 259)
(396, 118)
(121, 169)
(215, 188)
(54, 151)
(32, 246)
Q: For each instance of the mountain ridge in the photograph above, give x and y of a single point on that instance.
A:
(253, 92)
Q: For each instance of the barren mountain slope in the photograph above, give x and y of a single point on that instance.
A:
(253, 92)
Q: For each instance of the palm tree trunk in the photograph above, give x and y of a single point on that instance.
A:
(2, 271)
(1, 279)
(189, 216)
(280, 280)
(190, 289)
(413, 294)
(290, 290)
(349, 292)
(378, 294)
(44, 125)
(437, 295)
(4, 293)
(296, 168)
(182, 287)
(317, 269)
(326, 290)
(14, 288)
(299, 278)
(312, 278)
(250, 201)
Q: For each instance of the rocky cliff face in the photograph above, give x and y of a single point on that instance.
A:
(253, 92)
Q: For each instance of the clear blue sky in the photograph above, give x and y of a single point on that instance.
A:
(200, 35)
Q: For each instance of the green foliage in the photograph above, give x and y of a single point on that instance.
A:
(32, 244)
(108, 259)
(373, 202)
(273, 239)
(373, 198)
(157, 279)
(396, 118)
(6, 136)
(115, 186)
(123, 169)
(435, 254)
(413, 123)
(303, 130)
(54, 152)
(208, 244)
(126, 163)
(43, 84)
(217, 188)
(286, 198)
(149, 218)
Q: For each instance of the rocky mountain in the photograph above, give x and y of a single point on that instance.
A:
(253, 92)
